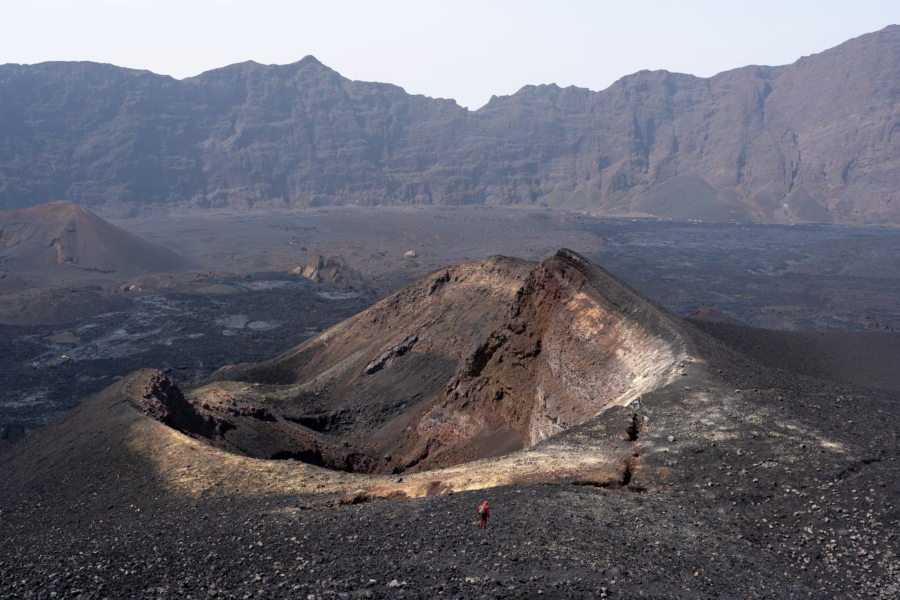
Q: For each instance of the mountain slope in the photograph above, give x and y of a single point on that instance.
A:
(811, 141)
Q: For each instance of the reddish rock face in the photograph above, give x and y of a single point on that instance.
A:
(470, 362)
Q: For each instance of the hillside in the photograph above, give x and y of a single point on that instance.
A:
(811, 141)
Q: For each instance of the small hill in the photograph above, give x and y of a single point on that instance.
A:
(53, 238)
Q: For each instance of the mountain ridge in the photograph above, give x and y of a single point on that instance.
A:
(805, 142)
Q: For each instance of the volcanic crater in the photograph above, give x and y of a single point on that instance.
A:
(473, 361)
(694, 464)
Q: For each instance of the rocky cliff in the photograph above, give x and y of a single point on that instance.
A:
(811, 141)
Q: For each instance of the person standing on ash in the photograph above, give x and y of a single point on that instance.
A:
(483, 513)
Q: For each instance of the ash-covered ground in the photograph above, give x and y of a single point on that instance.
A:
(795, 496)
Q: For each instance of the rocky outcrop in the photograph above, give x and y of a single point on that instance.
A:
(329, 270)
(811, 141)
(157, 396)
(393, 352)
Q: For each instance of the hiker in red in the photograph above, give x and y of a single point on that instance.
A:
(483, 512)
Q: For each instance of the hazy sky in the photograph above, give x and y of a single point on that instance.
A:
(467, 50)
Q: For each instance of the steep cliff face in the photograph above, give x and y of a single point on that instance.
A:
(812, 141)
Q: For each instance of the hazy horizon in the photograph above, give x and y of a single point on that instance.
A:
(464, 50)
